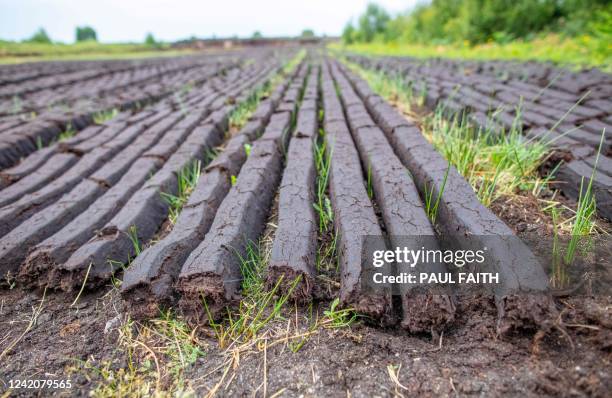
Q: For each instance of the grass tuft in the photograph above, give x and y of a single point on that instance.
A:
(187, 179)
(133, 234)
(495, 164)
(241, 114)
(67, 133)
(369, 186)
(104, 116)
(585, 212)
(322, 204)
(258, 307)
(431, 206)
(340, 318)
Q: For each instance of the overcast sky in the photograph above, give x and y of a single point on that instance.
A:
(169, 20)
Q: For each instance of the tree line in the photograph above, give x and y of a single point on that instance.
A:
(478, 21)
(82, 34)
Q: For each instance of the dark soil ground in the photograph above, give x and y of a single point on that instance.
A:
(360, 361)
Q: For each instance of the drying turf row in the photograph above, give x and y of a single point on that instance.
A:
(37, 105)
(79, 223)
(212, 271)
(151, 278)
(75, 218)
(567, 110)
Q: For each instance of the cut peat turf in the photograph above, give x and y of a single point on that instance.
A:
(461, 219)
(213, 238)
(353, 211)
(294, 250)
(406, 221)
(148, 283)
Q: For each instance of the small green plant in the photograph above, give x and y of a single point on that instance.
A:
(369, 186)
(157, 354)
(585, 211)
(247, 149)
(559, 277)
(187, 179)
(390, 86)
(104, 116)
(176, 333)
(323, 164)
(210, 154)
(431, 206)
(327, 258)
(133, 235)
(494, 164)
(258, 306)
(233, 180)
(340, 318)
(67, 133)
(241, 114)
(10, 280)
(487, 188)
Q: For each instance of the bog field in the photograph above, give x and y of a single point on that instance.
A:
(197, 225)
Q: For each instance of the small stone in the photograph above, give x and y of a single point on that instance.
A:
(112, 324)
(43, 318)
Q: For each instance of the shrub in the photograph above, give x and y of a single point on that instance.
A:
(86, 33)
(40, 36)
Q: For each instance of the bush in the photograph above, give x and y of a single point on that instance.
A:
(40, 36)
(348, 34)
(372, 23)
(86, 33)
(150, 40)
(307, 34)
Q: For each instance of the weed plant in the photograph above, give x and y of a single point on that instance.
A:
(187, 179)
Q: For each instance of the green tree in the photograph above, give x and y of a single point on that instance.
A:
(373, 22)
(86, 33)
(477, 21)
(348, 34)
(307, 33)
(257, 35)
(150, 40)
(40, 36)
